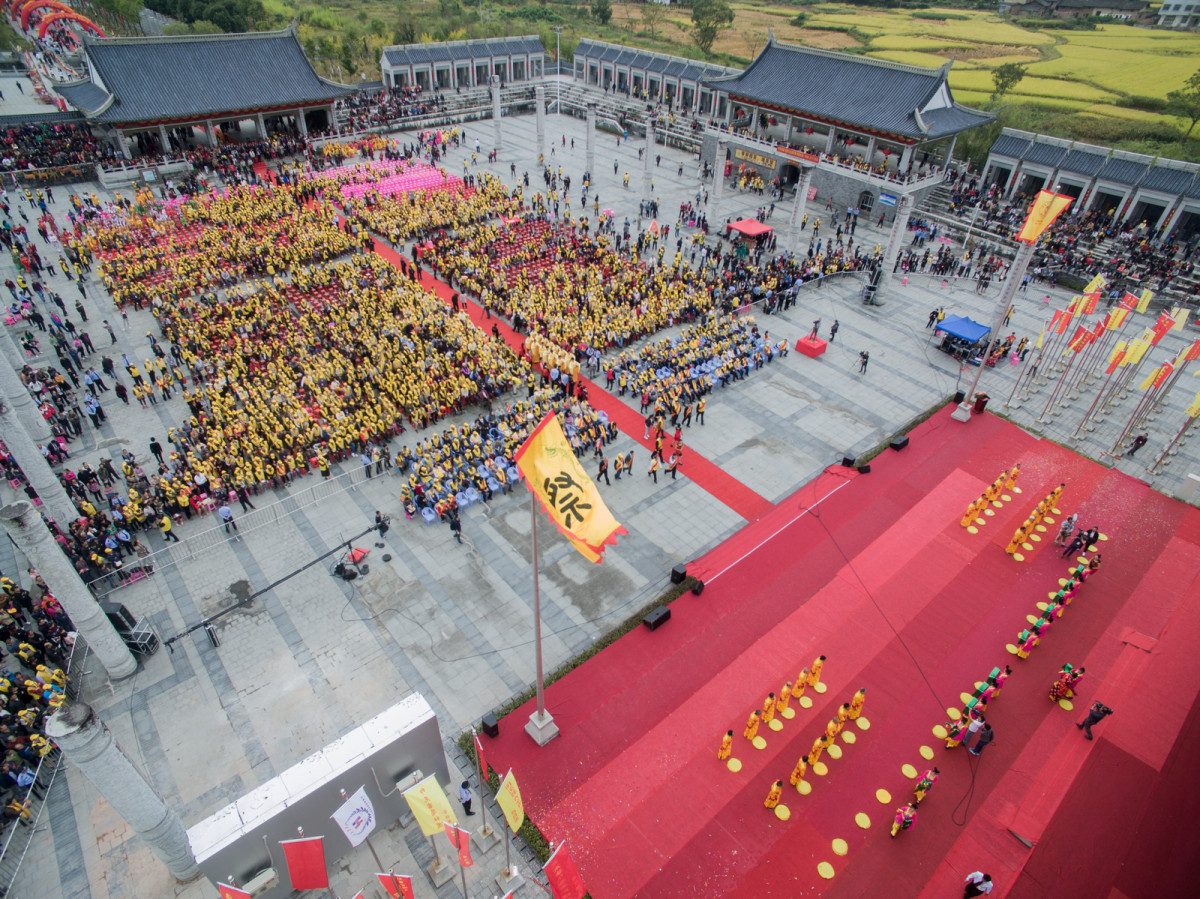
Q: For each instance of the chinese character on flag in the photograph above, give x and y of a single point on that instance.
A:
(565, 491)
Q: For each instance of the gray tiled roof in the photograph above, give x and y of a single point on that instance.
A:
(1168, 180)
(1045, 154)
(84, 95)
(1124, 171)
(48, 118)
(195, 77)
(1081, 162)
(484, 48)
(849, 89)
(646, 61)
(1010, 145)
(1193, 191)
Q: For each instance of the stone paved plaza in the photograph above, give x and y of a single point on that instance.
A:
(317, 656)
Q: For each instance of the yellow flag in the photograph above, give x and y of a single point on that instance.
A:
(1041, 337)
(565, 491)
(1194, 409)
(1150, 378)
(430, 806)
(1144, 300)
(510, 802)
(1137, 349)
(1181, 319)
(1116, 318)
(1095, 284)
(1045, 209)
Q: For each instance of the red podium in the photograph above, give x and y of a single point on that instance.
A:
(812, 347)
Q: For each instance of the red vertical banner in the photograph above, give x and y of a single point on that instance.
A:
(398, 886)
(306, 863)
(563, 875)
(482, 761)
(461, 840)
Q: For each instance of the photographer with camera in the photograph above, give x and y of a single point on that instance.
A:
(1098, 712)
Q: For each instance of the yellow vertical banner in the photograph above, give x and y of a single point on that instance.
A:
(430, 806)
(1194, 409)
(565, 491)
(1095, 284)
(1144, 300)
(508, 797)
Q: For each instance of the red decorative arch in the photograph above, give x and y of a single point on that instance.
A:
(30, 5)
(72, 16)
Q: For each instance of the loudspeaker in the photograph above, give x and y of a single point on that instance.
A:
(899, 443)
(490, 725)
(678, 573)
(959, 396)
(122, 619)
(698, 588)
(864, 469)
(657, 618)
(848, 461)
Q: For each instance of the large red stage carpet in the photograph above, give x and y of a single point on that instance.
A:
(875, 572)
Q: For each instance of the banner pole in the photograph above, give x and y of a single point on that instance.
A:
(463, 867)
(537, 608)
(485, 830)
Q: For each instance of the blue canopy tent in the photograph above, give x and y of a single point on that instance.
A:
(960, 336)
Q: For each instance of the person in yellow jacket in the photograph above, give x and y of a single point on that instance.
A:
(166, 527)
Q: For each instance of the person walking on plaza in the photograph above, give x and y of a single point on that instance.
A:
(653, 472)
(603, 472)
(863, 358)
(986, 735)
(833, 329)
(1138, 442)
(226, 515)
(464, 796)
(1097, 713)
(242, 496)
(165, 527)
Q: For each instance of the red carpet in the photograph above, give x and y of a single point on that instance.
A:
(734, 494)
(633, 781)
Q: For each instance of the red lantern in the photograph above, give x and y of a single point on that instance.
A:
(771, 120)
(808, 130)
(887, 151)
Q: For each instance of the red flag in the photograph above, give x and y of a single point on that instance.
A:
(1089, 305)
(306, 863)
(1163, 373)
(461, 840)
(1097, 331)
(1162, 326)
(398, 886)
(563, 875)
(1058, 313)
(228, 892)
(1192, 352)
(1064, 322)
(1129, 302)
(1080, 339)
(482, 761)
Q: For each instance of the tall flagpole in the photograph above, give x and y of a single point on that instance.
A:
(541, 724)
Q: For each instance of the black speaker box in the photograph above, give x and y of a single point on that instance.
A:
(657, 618)
(490, 725)
(122, 619)
(864, 469)
(848, 461)
(899, 443)
(678, 573)
(698, 588)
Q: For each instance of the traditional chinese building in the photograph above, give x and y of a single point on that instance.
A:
(139, 90)
(450, 65)
(846, 105)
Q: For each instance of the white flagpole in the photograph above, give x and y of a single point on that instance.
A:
(541, 724)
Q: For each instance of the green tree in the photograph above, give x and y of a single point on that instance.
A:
(1005, 78)
(652, 16)
(709, 18)
(1185, 102)
(602, 10)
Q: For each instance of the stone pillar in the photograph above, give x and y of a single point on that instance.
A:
(906, 158)
(301, 124)
(830, 139)
(718, 188)
(261, 123)
(787, 131)
(28, 531)
(591, 138)
(798, 209)
(89, 745)
(496, 110)
(165, 138)
(52, 493)
(949, 157)
(539, 99)
(210, 132)
(123, 143)
(871, 150)
(647, 160)
(15, 394)
(895, 244)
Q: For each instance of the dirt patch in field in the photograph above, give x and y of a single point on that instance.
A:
(991, 51)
